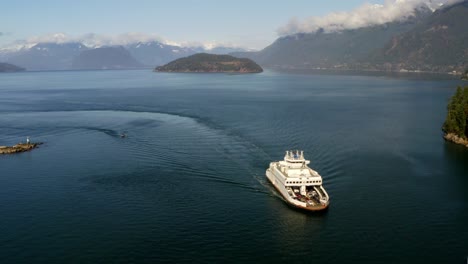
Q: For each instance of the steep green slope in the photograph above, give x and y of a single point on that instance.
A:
(440, 43)
(429, 41)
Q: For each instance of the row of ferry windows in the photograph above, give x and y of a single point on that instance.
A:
(294, 182)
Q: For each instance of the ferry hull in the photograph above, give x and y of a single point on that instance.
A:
(288, 199)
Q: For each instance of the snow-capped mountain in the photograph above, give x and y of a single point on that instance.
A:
(45, 56)
(156, 53)
(60, 56)
(115, 57)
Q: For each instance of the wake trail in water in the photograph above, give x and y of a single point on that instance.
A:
(230, 147)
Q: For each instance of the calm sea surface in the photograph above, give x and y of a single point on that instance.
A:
(187, 185)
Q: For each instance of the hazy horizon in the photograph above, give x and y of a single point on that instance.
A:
(250, 25)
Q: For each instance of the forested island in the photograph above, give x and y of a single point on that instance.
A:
(6, 67)
(203, 62)
(455, 126)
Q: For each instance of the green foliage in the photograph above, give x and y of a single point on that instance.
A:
(465, 75)
(429, 41)
(457, 114)
(203, 62)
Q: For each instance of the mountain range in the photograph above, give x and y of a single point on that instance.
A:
(433, 41)
(103, 58)
(430, 40)
(75, 55)
(5, 67)
(45, 56)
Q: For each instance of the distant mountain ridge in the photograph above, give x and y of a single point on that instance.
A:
(46, 56)
(440, 43)
(64, 56)
(6, 67)
(432, 41)
(429, 41)
(105, 58)
(325, 49)
(156, 53)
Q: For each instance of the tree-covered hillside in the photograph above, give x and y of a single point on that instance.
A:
(465, 76)
(457, 114)
(437, 44)
(203, 62)
(429, 41)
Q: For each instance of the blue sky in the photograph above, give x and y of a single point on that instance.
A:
(245, 23)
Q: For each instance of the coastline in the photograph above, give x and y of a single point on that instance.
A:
(18, 148)
(364, 72)
(456, 139)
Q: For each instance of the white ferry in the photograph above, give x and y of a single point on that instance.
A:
(300, 185)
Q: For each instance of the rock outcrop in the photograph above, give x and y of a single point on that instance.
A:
(456, 139)
(20, 147)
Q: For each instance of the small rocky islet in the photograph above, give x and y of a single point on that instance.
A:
(18, 148)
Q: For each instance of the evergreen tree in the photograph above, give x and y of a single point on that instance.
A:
(457, 114)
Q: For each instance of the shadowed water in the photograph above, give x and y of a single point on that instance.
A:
(187, 184)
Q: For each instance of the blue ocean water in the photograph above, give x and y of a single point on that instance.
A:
(188, 184)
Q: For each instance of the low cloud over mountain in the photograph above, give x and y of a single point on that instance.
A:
(93, 40)
(428, 41)
(89, 39)
(62, 52)
(364, 16)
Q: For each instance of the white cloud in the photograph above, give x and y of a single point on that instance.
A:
(365, 15)
(98, 40)
(90, 39)
(207, 45)
(94, 40)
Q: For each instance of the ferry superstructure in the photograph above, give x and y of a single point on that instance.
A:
(300, 185)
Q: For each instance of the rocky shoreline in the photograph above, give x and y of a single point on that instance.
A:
(18, 148)
(456, 139)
